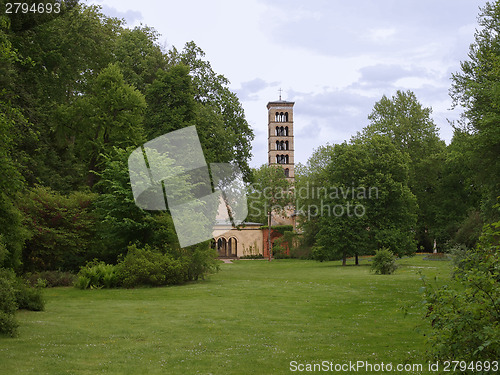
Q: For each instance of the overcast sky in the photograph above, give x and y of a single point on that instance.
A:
(334, 59)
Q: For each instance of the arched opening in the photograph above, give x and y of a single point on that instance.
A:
(277, 117)
(278, 159)
(277, 145)
(222, 247)
(286, 145)
(286, 159)
(282, 116)
(286, 116)
(232, 247)
(286, 131)
(282, 131)
(282, 145)
(277, 130)
(287, 172)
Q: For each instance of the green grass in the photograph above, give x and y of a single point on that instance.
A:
(253, 317)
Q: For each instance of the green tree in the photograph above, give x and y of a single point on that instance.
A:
(139, 56)
(366, 203)
(409, 126)
(171, 103)
(477, 89)
(465, 314)
(270, 192)
(109, 115)
(61, 229)
(225, 134)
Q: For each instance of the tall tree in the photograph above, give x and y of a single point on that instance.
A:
(367, 203)
(110, 114)
(477, 89)
(225, 134)
(410, 128)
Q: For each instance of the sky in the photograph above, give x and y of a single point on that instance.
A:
(334, 58)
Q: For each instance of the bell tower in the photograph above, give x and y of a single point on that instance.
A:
(280, 137)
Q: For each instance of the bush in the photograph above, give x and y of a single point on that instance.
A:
(252, 256)
(147, 266)
(465, 318)
(384, 262)
(51, 279)
(15, 293)
(97, 275)
(27, 297)
(8, 304)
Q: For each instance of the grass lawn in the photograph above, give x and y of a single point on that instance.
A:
(253, 317)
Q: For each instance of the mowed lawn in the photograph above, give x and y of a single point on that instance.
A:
(253, 317)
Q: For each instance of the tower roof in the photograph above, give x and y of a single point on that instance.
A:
(280, 102)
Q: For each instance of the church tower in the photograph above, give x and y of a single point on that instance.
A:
(280, 137)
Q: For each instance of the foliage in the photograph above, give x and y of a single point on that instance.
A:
(28, 297)
(147, 266)
(465, 315)
(476, 88)
(224, 132)
(269, 192)
(365, 203)
(410, 128)
(283, 245)
(97, 274)
(8, 303)
(15, 294)
(61, 227)
(384, 262)
(252, 256)
(50, 279)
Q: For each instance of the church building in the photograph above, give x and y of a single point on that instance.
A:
(252, 238)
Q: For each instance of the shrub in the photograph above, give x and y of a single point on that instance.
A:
(27, 297)
(465, 318)
(252, 256)
(384, 262)
(51, 278)
(148, 266)
(8, 304)
(97, 275)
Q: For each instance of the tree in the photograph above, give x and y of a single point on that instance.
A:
(62, 229)
(409, 126)
(477, 89)
(271, 193)
(139, 56)
(366, 204)
(465, 314)
(227, 137)
(171, 103)
(109, 115)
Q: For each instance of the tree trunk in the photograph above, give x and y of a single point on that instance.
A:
(357, 260)
(344, 259)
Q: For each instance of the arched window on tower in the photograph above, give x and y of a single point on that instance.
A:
(286, 131)
(277, 117)
(282, 131)
(287, 172)
(278, 159)
(286, 145)
(286, 159)
(282, 116)
(277, 130)
(286, 117)
(277, 145)
(282, 145)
